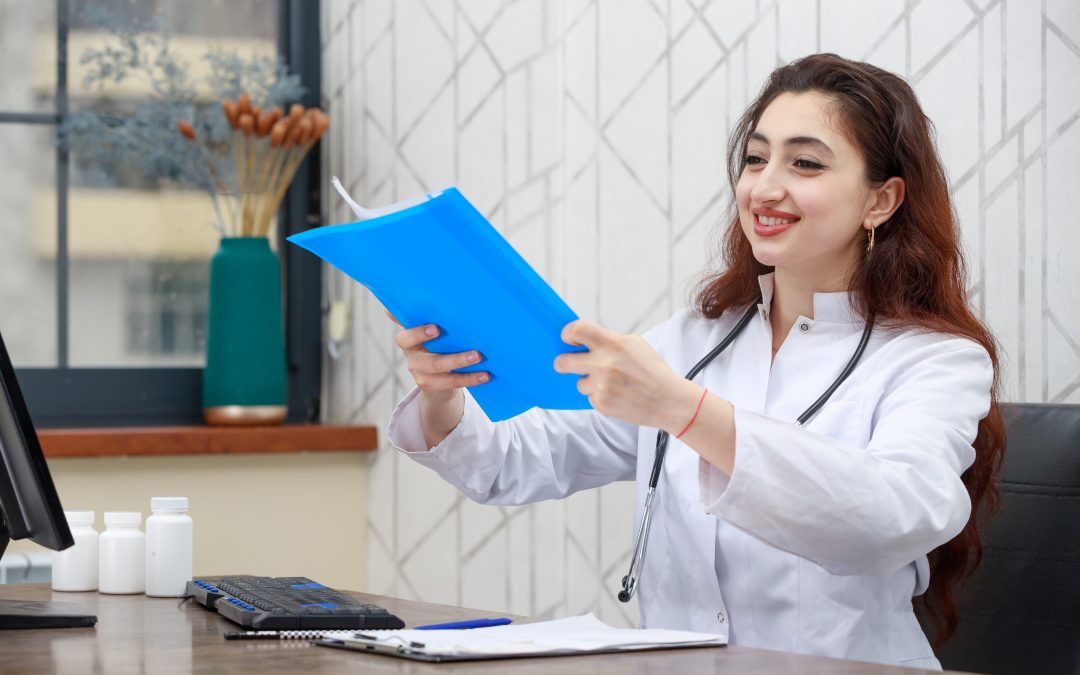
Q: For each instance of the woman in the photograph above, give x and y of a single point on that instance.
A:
(810, 538)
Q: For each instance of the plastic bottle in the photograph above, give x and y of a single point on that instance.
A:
(168, 547)
(76, 568)
(123, 554)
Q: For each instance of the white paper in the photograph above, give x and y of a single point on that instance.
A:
(367, 214)
(583, 633)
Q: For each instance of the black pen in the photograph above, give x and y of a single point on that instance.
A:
(286, 634)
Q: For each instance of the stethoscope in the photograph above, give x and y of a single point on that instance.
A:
(629, 582)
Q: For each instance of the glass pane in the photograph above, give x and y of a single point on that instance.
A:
(28, 254)
(140, 245)
(28, 69)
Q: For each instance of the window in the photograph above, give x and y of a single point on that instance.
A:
(103, 271)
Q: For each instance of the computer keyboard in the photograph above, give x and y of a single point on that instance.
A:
(287, 603)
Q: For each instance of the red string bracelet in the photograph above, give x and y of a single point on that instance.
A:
(696, 411)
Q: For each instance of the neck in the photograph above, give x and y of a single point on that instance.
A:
(793, 296)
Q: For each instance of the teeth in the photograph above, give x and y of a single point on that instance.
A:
(768, 220)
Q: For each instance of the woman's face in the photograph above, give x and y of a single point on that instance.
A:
(802, 195)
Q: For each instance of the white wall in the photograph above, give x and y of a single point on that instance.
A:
(590, 132)
(288, 514)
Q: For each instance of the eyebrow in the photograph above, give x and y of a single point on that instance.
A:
(796, 140)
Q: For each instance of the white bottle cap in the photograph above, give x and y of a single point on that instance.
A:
(123, 518)
(169, 503)
(79, 517)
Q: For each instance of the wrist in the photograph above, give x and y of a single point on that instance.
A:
(439, 416)
(684, 404)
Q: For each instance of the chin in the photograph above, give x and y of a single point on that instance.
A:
(767, 254)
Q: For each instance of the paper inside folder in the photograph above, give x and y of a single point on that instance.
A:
(436, 259)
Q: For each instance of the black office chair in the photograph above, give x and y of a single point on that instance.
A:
(1021, 609)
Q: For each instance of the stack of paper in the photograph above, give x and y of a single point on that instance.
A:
(575, 635)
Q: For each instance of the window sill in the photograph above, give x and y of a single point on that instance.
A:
(205, 440)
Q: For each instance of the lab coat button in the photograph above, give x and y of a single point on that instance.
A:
(720, 617)
(804, 327)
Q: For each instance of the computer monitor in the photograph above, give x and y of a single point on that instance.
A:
(29, 507)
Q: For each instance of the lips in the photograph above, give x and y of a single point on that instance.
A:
(769, 223)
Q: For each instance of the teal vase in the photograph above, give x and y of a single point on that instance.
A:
(244, 379)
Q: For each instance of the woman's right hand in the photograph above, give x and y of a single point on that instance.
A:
(432, 372)
(441, 401)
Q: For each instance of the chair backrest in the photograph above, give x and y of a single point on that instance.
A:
(1020, 612)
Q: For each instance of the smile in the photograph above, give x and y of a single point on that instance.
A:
(770, 226)
(766, 220)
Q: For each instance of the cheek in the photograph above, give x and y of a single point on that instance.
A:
(742, 201)
(742, 191)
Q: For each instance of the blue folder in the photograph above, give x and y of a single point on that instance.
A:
(440, 261)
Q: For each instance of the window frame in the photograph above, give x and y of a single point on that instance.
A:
(64, 396)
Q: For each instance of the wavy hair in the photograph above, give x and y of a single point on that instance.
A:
(915, 274)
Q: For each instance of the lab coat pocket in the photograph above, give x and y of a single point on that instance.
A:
(842, 420)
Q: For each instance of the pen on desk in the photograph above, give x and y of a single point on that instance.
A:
(284, 634)
(471, 623)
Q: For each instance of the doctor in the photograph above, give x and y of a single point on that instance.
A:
(812, 538)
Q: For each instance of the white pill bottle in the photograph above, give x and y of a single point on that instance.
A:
(123, 553)
(169, 547)
(76, 568)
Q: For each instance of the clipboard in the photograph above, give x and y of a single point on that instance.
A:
(574, 636)
(436, 259)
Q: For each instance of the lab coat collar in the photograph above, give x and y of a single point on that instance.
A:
(829, 307)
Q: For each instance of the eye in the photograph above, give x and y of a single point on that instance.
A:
(753, 159)
(808, 164)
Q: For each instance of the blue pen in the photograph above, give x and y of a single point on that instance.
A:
(472, 623)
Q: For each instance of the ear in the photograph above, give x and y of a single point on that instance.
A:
(884, 200)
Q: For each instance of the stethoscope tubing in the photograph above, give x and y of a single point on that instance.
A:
(637, 562)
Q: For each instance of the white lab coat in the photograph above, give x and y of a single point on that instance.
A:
(818, 541)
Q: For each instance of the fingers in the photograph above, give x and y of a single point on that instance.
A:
(438, 382)
(432, 372)
(582, 332)
(577, 363)
(411, 338)
(444, 363)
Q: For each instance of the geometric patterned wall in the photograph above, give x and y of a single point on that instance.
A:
(591, 133)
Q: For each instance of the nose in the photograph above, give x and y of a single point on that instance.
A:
(768, 186)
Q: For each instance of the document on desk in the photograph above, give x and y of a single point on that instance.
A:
(562, 637)
(436, 259)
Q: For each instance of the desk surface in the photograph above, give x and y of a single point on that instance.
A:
(136, 634)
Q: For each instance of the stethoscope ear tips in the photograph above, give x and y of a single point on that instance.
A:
(627, 591)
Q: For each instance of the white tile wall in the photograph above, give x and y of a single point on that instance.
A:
(591, 132)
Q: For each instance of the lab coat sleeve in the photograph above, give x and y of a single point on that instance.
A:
(872, 510)
(540, 454)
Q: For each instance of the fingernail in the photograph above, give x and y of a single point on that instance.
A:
(474, 357)
(484, 378)
(432, 331)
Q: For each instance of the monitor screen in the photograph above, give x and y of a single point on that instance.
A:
(29, 507)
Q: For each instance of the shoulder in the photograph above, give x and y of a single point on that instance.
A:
(910, 352)
(917, 343)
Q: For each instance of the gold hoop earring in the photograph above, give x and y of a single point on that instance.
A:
(870, 240)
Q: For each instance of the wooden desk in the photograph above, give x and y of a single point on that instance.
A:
(136, 634)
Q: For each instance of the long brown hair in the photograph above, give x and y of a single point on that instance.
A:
(913, 276)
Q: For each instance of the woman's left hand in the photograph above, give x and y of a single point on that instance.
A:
(626, 378)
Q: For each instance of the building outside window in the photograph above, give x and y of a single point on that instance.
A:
(103, 269)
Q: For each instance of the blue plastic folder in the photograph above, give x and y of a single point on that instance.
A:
(440, 261)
